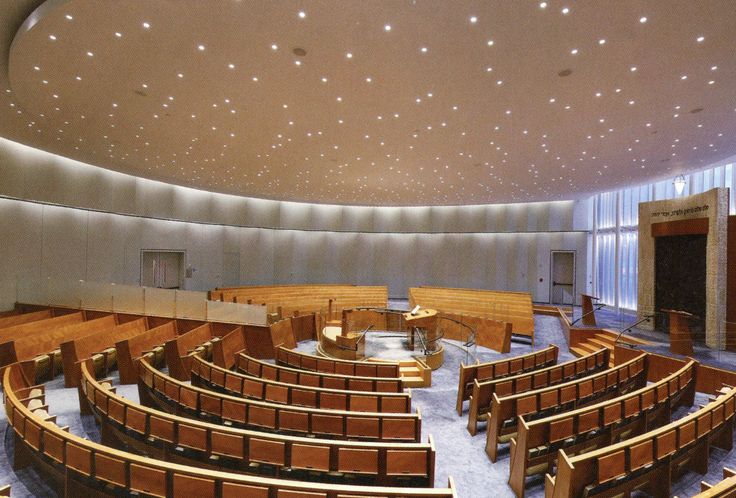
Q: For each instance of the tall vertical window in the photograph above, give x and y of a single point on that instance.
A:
(617, 230)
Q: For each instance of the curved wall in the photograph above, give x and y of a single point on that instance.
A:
(66, 220)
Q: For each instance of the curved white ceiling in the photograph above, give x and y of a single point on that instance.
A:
(392, 103)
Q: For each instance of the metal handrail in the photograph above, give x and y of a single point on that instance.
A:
(471, 336)
(362, 337)
(628, 329)
(599, 307)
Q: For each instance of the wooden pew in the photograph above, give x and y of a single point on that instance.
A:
(158, 434)
(502, 419)
(322, 364)
(179, 350)
(649, 462)
(723, 489)
(161, 391)
(39, 354)
(498, 369)
(77, 466)
(210, 376)
(21, 318)
(37, 326)
(513, 307)
(131, 349)
(287, 300)
(261, 369)
(5, 490)
(534, 449)
(489, 333)
(99, 347)
(480, 400)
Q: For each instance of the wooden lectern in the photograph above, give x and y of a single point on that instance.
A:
(588, 311)
(425, 323)
(681, 340)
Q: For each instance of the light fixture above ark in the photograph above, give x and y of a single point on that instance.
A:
(679, 182)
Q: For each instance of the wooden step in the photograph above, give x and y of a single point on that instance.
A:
(412, 381)
(589, 348)
(578, 351)
(600, 343)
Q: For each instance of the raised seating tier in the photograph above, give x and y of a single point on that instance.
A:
(261, 369)
(649, 462)
(162, 435)
(512, 307)
(534, 449)
(159, 390)
(178, 352)
(205, 374)
(483, 372)
(480, 400)
(79, 467)
(502, 420)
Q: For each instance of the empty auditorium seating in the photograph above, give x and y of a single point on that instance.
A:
(179, 350)
(502, 419)
(480, 400)
(723, 489)
(160, 390)
(313, 363)
(651, 461)
(512, 307)
(262, 369)
(483, 372)
(168, 436)
(535, 446)
(80, 467)
(207, 375)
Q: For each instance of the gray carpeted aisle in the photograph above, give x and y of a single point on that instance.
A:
(458, 454)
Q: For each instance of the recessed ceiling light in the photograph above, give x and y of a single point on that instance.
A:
(543, 5)
(633, 69)
(552, 100)
(499, 82)
(713, 68)
(700, 39)
(144, 85)
(180, 75)
(324, 80)
(387, 27)
(78, 78)
(423, 50)
(200, 48)
(473, 19)
(231, 66)
(52, 37)
(601, 42)
(118, 34)
(711, 82)
(36, 68)
(489, 69)
(369, 79)
(146, 25)
(642, 19)
(631, 102)
(302, 14)
(255, 78)
(683, 77)
(489, 43)
(90, 54)
(349, 55)
(598, 94)
(565, 10)
(574, 51)
(298, 63)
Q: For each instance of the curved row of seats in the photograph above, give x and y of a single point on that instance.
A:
(81, 466)
(480, 399)
(264, 370)
(208, 375)
(323, 364)
(174, 437)
(723, 489)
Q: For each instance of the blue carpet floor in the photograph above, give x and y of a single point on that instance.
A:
(458, 454)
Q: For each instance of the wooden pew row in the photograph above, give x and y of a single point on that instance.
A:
(502, 419)
(480, 399)
(99, 347)
(130, 350)
(263, 370)
(534, 449)
(161, 435)
(5, 490)
(483, 372)
(161, 391)
(178, 351)
(37, 326)
(322, 364)
(210, 376)
(514, 307)
(489, 333)
(79, 467)
(723, 489)
(650, 462)
(17, 318)
(39, 353)
(225, 351)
